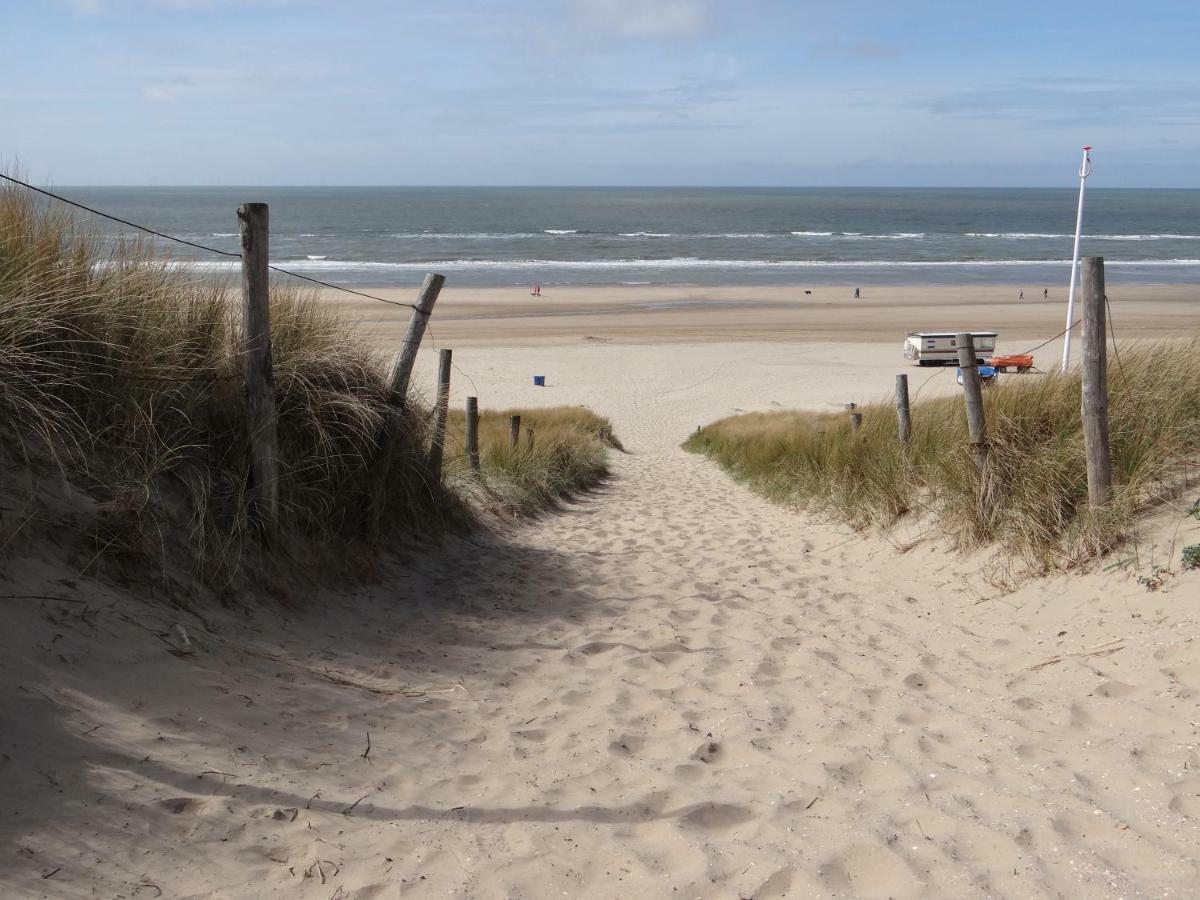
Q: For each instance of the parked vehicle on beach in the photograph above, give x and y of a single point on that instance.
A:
(940, 348)
(1022, 362)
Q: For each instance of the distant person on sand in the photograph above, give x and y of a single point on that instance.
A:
(1021, 296)
(1045, 293)
(856, 293)
(537, 289)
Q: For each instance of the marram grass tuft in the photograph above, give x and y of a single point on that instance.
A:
(1033, 495)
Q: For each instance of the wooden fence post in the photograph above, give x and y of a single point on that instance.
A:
(1094, 399)
(903, 418)
(472, 438)
(973, 394)
(514, 430)
(855, 417)
(440, 410)
(402, 366)
(529, 438)
(257, 373)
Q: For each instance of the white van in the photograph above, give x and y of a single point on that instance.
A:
(940, 348)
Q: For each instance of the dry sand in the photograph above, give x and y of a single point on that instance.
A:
(669, 688)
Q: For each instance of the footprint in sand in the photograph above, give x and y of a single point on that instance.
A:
(627, 745)
(185, 806)
(715, 816)
(777, 885)
(916, 681)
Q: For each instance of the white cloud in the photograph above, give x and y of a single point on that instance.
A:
(643, 18)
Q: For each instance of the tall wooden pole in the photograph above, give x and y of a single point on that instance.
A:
(472, 433)
(904, 421)
(973, 393)
(1095, 383)
(514, 430)
(440, 410)
(402, 366)
(257, 373)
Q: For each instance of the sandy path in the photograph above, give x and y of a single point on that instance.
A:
(737, 704)
(669, 688)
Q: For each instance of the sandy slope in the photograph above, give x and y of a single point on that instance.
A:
(670, 688)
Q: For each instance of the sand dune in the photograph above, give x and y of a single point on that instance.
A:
(667, 688)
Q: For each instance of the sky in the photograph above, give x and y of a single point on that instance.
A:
(600, 92)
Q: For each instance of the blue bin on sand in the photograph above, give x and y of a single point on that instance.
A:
(539, 380)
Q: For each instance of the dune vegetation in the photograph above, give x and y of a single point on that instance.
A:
(567, 453)
(1032, 496)
(119, 377)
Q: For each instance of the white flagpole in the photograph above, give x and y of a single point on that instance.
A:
(1085, 169)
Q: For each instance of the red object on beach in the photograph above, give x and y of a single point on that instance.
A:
(1022, 362)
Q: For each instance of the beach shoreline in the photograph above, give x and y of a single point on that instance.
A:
(701, 313)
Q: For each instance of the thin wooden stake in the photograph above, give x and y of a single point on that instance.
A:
(402, 366)
(855, 417)
(529, 438)
(973, 393)
(472, 435)
(514, 430)
(1094, 400)
(257, 371)
(440, 410)
(903, 419)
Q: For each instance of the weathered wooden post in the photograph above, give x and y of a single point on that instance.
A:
(903, 419)
(440, 410)
(529, 438)
(402, 366)
(855, 416)
(257, 373)
(472, 438)
(1095, 383)
(973, 393)
(514, 430)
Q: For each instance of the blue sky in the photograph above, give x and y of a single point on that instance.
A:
(600, 92)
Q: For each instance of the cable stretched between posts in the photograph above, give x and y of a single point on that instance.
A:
(1051, 340)
(186, 243)
(1112, 333)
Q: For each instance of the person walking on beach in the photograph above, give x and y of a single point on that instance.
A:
(1021, 296)
(1045, 293)
(537, 289)
(856, 293)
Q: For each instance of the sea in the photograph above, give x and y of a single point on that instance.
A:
(503, 236)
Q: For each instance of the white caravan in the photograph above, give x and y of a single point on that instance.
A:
(940, 348)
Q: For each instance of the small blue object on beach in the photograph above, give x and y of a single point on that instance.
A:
(539, 380)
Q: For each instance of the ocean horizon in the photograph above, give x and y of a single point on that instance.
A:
(504, 236)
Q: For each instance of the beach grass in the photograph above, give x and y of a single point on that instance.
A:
(119, 370)
(1032, 496)
(568, 454)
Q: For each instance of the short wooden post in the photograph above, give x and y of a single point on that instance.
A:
(973, 393)
(1095, 383)
(257, 372)
(903, 419)
(529, 438)
(855, 417)
(402, 366)
(472, 437)
(440, 410)
(514, 430)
